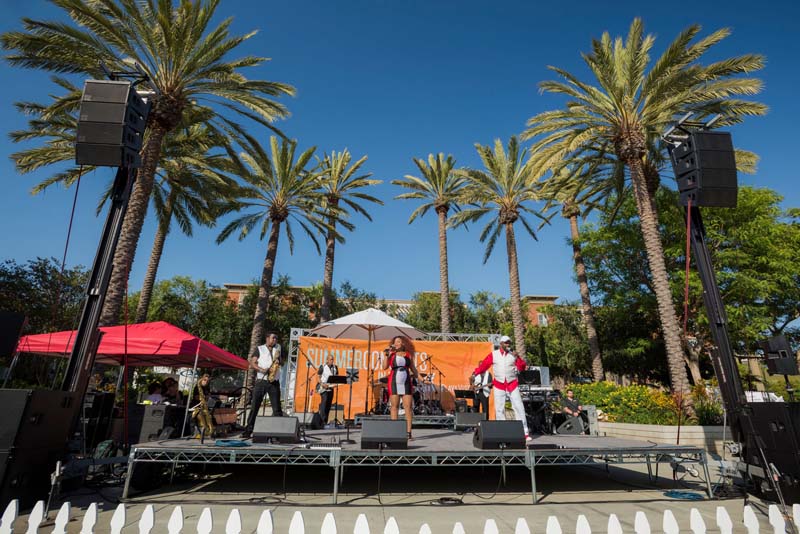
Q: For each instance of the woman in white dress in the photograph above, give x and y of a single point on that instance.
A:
(400, 360)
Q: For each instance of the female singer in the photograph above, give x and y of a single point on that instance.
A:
(400, 359)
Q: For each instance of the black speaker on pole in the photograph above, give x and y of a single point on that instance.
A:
(377, 433)
(705, 167)
(111, 124)
(780, 358)
(499, 435)
(11, 325)
(274, 428)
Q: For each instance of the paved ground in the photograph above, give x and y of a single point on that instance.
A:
(438, 497)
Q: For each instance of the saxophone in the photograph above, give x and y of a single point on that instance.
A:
(272, 373)
(201, 415)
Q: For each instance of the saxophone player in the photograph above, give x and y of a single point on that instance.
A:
(267, 365)
(201, 415)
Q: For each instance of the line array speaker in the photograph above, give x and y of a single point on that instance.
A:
(111, 124)
(780, 358)
(705, 167)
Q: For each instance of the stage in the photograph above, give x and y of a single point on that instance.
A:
(429, 448)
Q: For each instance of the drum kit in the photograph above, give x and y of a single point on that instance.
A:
(426, 398)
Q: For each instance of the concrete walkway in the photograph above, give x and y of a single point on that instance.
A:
(442, 500)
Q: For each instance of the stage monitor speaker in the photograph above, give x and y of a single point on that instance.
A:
(499, 435)
(571, 427)
(780, 358)
(275, 428)
(380, 433)
(11, 325)
(461, 406)
(310, 420)
(468, 419)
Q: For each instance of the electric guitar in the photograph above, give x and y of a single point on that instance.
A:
(322, 387)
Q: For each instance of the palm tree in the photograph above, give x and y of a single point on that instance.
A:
(579, 190)
(186, 61)
(628, 111)
(339, 184)
(440, 187)
(503, 189)
(279, 188)
(191, 186)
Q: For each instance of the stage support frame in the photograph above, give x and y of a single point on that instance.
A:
(174, 452)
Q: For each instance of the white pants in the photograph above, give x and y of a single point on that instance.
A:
(516, 403)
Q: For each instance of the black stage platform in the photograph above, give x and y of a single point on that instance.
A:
(429, 448)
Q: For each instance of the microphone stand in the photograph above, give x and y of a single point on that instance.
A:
(439, 374)
(309, 364)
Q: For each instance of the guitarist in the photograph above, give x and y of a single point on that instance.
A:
(482, 386)
(324, 389)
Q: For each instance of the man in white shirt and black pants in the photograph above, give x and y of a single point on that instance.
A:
(482, 385)
(326, 371)
(268, 355)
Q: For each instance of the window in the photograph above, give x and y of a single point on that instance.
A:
(542, 319)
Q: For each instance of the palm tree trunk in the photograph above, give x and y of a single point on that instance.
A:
(444, 285)
(262, 303)
(132, 227)
(586, 302)
(648, 220)
(327, 277)
(516, 300)
(155, 258)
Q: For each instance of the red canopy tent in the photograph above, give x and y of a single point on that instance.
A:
(148, 344)
(142, 345)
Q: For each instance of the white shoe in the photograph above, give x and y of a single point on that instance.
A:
(528, 439)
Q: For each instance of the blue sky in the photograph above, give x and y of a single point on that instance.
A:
(396, 80)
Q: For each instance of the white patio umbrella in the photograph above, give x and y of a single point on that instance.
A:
(369, 324)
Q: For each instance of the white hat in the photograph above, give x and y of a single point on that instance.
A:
(504, 339)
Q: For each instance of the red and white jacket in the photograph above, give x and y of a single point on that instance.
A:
(505, 366)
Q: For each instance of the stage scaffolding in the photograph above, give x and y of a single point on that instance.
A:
(559, 451)
(294, 343)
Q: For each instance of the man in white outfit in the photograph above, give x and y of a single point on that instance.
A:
(505, 365)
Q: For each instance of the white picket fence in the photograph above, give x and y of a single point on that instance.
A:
(265, 525)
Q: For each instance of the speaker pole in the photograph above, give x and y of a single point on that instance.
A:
(11, 368)
(76, 375)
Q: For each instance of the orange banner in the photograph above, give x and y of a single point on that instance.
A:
(448, 363)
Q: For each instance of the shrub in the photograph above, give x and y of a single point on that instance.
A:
(628, 404)
(595, 393)
(642, 405)
(707, 409)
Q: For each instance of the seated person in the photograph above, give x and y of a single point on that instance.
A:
(154, 394)
(170, 391)
(572, 409)
(570, 405)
